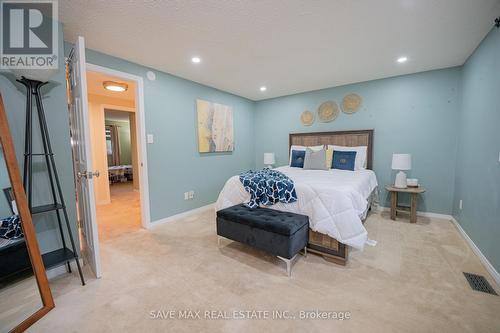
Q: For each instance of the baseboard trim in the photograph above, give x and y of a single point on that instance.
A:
(419, 213)
(489, 267)
(180, 215)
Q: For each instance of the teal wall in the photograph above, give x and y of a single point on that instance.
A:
(54, 99)
(414, 114)
(478, 167)
(417, 114)
(125, 144)
(174, 164)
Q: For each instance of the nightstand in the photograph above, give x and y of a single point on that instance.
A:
(413, 191)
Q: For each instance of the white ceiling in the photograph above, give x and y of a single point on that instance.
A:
(290, 46)
(95, 87)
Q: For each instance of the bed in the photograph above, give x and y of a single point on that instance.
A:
(336, 201)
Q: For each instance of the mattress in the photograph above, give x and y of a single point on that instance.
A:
(334, 200)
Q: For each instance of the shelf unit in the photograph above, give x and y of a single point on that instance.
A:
(57, 206)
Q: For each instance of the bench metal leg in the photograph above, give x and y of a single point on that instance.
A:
(219, 241)
(288, 264)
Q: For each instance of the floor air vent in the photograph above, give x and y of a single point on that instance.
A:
(479, 283)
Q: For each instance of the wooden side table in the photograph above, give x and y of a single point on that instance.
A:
(413, 191)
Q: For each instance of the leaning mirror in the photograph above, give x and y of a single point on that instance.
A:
(24, 290)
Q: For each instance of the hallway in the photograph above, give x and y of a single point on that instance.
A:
(122, 215)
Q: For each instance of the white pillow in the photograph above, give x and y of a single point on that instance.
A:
(302, 148)
(361, 151)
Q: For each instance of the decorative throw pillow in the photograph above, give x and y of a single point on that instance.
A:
(343, 160)
(315, 160)
(303, 148)
(10, 228)
(297, 159)
(361, 155)
(329, 157)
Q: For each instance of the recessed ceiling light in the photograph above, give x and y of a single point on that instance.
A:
(196, 60)
(115, 86)
(263, 88)
(402, 59)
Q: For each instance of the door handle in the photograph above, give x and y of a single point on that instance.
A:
(88, 175)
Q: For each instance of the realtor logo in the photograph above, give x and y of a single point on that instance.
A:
(29, 34)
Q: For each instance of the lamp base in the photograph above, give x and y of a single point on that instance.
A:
(400, 181)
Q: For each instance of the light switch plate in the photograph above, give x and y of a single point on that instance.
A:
(150, 138)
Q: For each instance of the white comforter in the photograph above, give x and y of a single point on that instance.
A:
(333, 199)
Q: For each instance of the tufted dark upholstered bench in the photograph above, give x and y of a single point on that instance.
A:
(279, 233)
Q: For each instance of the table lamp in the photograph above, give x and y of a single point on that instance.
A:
(401, 162)
(269, 160)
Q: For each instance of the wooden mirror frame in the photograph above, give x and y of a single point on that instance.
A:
(26, 222)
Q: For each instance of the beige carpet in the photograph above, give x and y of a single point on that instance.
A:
(410, 282)
(19, 299)
(122, 215)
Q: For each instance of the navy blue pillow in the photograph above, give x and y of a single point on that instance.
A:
(298, 157)
(343, 160)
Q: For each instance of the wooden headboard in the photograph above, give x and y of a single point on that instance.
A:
(339, 138)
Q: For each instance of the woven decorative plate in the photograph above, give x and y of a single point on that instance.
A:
(307, 118)
(328, 111)
(351, 103)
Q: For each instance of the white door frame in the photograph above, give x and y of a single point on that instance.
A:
(141, 135)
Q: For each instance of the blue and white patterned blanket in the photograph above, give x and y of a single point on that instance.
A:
(268, 187)
(10, 228)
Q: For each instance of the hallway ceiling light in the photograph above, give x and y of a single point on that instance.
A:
(402, 59)
(196, 60)
(115, 86)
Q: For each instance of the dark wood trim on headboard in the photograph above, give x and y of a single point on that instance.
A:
(340, 138)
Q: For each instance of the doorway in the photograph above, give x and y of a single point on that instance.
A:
(115, 149)
(86, 175)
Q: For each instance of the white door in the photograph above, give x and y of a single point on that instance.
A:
(80, 138)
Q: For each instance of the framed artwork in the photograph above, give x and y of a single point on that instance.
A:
(215, 127)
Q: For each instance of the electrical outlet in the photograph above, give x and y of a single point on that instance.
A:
(186, 195)
(191, 195)
(460, 204)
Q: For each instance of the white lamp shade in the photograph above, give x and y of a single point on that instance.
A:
(269, 159)
(401, 161)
